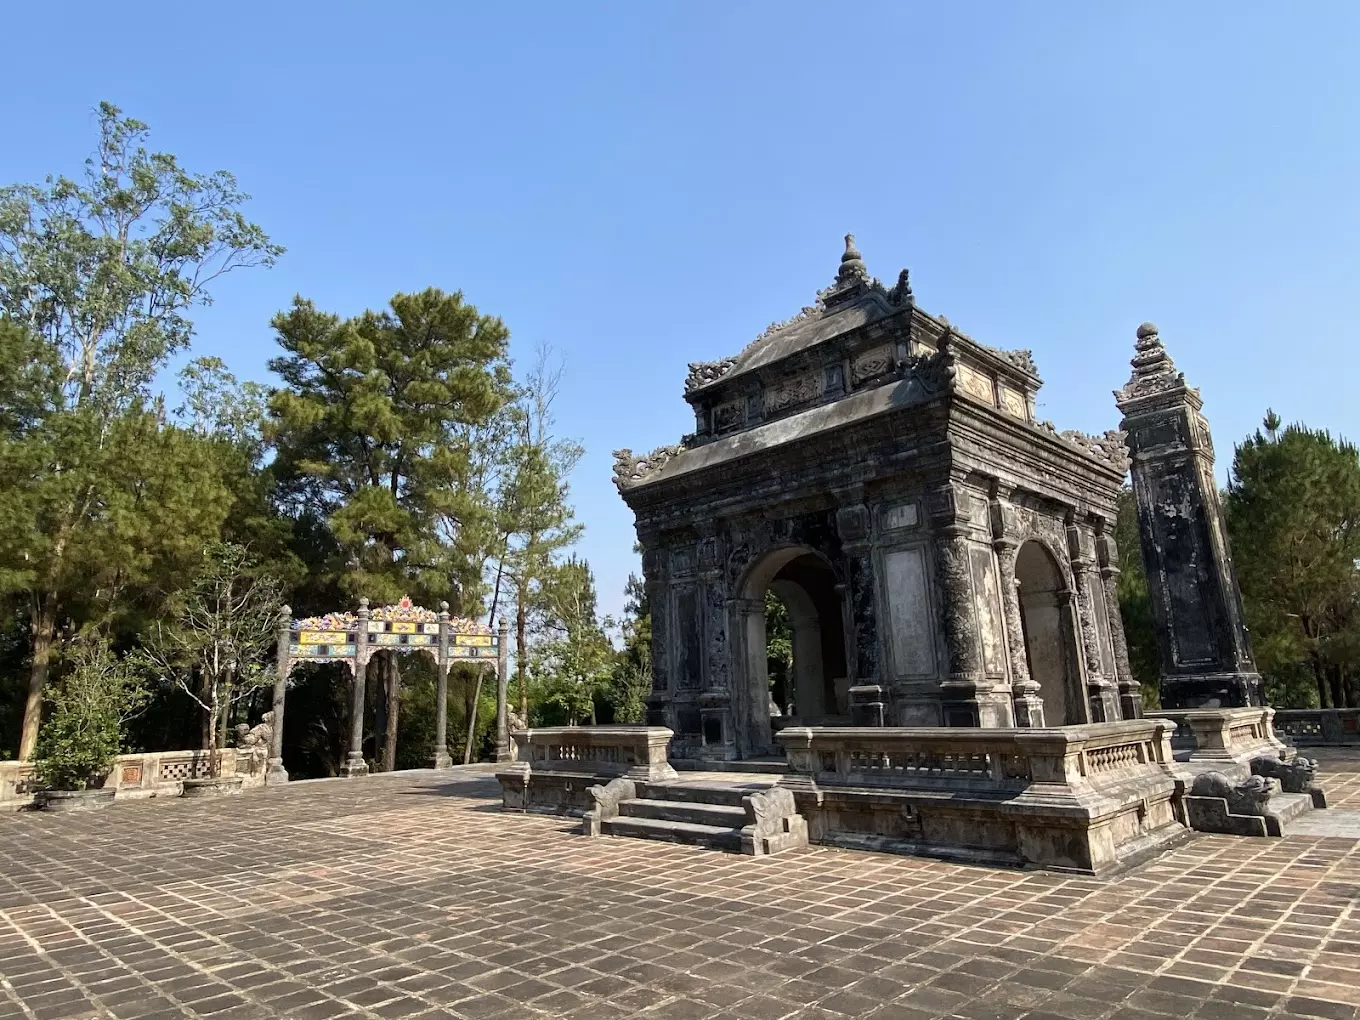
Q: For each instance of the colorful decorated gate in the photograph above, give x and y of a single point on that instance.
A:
(353, 638)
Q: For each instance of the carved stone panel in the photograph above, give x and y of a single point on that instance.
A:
(689, 631)
(798, 390)
(1013, 402)
(871, 364)
(976, 384)
(729, 415)
(715, 633)
(911, 621)
(661, 633)
(990, 621)
(904, 515)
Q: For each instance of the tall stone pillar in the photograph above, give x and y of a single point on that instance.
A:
(966, 694)
(1027, 704)
(1202, 638)
(355, 765)
(1101, 693)
(504, 752)
(442, 758)
(276, 773)
(716, 722)
(1130, 691)
(655, 580)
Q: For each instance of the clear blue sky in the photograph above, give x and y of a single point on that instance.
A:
(646, 184)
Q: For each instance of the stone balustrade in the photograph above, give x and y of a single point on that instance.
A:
(1075, 798)
(1222, 736)
(138, 776)
(555, 766)
(1314, 727)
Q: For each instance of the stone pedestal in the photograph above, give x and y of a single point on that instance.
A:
(1197, 608)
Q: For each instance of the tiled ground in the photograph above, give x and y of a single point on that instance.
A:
(414, 896)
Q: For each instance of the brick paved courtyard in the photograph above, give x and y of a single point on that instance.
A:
(412, 895)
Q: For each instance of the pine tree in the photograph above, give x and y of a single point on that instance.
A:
(1293, 512)
(372, 431)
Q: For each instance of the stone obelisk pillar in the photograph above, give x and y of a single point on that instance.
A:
(1197, 608)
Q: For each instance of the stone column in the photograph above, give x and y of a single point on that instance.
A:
(1100, 691)
(276, 773)
(853, 528)
(1026, 702)
(1197, 612)
(442, 758)
(355, 765)
(1130, 691)
(503, 751)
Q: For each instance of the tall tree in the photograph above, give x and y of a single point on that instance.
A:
(102, 272)
(217, 646)
(632, 674)
(372, 430)
(1293, 511)
(572, 662)
(535, 509)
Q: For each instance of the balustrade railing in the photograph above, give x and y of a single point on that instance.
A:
(148, 774)
(1307, 727)
(977, 759)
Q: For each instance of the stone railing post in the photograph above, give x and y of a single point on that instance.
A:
(442, 758)
(355, 765)
(275, 772)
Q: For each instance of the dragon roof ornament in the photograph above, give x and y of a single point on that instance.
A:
(1109, 448)
(404, 611)
(328, 622)
(631, 470)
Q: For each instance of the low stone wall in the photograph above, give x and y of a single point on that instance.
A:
(555, 766)
(138, 776)
(1074, 798)
(1319, 727)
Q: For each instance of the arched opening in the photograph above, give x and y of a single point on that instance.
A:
(1045, 619)
(813, 689)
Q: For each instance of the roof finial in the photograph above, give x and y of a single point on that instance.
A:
(852, 264)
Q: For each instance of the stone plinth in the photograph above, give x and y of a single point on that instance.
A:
(1074, 798)
(555, 767)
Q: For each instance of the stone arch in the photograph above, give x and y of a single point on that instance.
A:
(807, 583)
(1049, 627)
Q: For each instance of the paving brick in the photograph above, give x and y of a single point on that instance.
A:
(372, 898)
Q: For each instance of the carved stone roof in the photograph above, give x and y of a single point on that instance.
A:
(854, 299)
(1153, 370)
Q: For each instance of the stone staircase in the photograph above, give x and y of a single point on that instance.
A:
(748, 816)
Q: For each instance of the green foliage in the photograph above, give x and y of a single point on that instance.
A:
(1293, 513)
(631, 676)
(79, 742)
(574, 663)
(217, 646)
(371, 429)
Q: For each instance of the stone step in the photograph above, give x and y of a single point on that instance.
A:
(719, 815)
(1288, 806)
(712, 836)
(729, 794)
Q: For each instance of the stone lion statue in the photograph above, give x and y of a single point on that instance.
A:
(259, 736)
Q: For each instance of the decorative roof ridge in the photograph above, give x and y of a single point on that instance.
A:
(1109, 447)
(631, 469)
(1153, 370)
(852, 282)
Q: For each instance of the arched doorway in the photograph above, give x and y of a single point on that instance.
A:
(1045, 617)
(817, 687)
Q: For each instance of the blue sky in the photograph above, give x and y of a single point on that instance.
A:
(645, 184)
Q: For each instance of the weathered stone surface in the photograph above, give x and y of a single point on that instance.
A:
(860, 452)
(1080, 798)
(1197, 608)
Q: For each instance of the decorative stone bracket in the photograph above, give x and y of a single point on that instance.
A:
(772, 823)
(606, 803)
(1216, 805)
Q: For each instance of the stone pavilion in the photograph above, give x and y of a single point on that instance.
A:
(946, 559)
